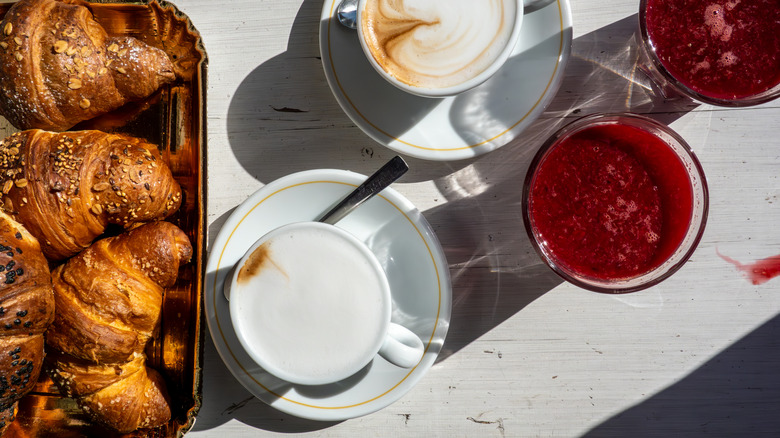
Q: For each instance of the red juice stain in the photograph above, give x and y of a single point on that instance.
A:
(611, 201)
(720, 48)
(758, 272)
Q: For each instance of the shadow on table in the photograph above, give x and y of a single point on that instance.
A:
(736, 393)
(246, 408)
(495, 272)
(283, 117)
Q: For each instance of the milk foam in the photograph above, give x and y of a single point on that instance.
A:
(313, 304)
(437, 43)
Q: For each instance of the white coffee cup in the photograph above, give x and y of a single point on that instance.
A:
(438, 48)
(311, 304)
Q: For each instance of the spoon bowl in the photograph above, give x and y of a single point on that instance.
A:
(347, 13)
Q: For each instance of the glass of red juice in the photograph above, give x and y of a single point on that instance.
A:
(720, 52)
(615, 202)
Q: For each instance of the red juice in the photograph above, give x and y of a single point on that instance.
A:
(611, 202)
(758, 272)
(724, 49)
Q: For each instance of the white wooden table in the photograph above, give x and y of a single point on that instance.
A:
(526, 354)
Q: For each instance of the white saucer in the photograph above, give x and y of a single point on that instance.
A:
(409, 252)
(478, 121)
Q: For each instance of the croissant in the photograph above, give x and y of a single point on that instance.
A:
(26, 310)
(58, 66)
(66, 188)
(108, 301)
(125, 396)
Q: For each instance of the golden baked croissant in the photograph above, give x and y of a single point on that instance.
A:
(59, 67)
(108, 301)
(26, 310)
(127, 396)
(66, 188)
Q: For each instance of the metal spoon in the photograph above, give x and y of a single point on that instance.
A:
(347, 13)
(375, 183)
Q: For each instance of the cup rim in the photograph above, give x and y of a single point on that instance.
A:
(647, 46)
(684, 249)
(453, 90)
(369, 353)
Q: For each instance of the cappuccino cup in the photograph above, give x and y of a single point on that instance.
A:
(438, 48)
(311, 304)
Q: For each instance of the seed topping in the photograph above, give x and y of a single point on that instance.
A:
(99, 187)
(60, 46)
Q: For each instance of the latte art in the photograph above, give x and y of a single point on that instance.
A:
(437, 43)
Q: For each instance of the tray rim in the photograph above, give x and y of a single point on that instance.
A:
(199, 118)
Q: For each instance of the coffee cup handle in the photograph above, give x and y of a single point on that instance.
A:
(402, 347)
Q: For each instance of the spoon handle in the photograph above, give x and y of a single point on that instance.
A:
(375, 183)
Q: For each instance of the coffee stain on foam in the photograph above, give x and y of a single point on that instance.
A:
(260, 258)
(758, 272)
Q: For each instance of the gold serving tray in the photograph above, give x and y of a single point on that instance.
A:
(175, 119)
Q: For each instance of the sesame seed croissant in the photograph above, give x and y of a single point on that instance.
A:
(66, 188)
(108, 300)
(58, 66)
(26, 310)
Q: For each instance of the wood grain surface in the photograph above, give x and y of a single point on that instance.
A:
(526, 355)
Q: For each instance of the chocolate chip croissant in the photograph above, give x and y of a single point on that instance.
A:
(59, 67)
(26, 310)
(108, 301)
(66, 188)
